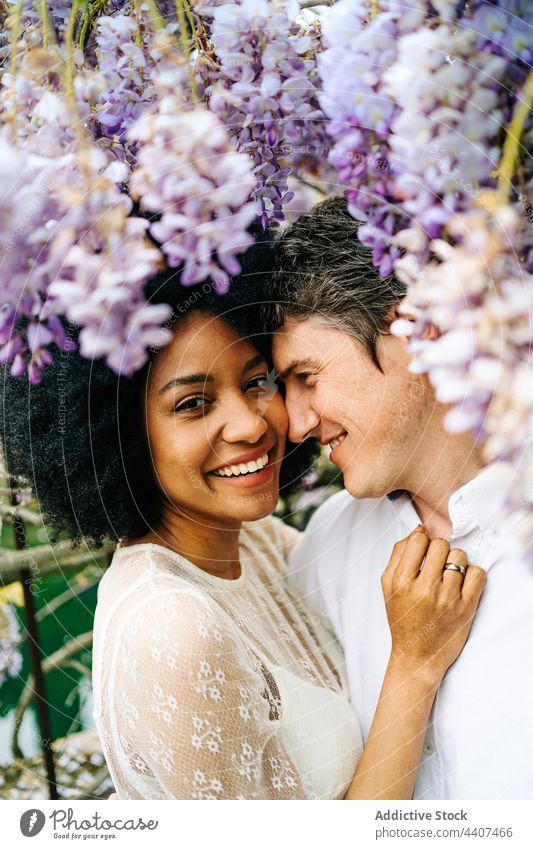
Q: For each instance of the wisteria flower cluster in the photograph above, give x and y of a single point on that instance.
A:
(423, 102)
(83, 172)
(352, 65)
(125, 72)
(188, 172)
(141, 133)
(417, 104)
(480, 362)
(265, 88)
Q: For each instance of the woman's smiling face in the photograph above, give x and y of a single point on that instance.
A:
(212, 414)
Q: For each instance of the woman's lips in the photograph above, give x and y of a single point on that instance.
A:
(245, 458)
(247, 481)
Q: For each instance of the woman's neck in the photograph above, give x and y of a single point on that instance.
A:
(212, 547)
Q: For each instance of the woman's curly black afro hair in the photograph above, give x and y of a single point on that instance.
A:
(76, 438)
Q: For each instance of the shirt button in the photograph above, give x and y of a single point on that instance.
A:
(429, 748)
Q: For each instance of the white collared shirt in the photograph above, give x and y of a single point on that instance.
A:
(479, 744)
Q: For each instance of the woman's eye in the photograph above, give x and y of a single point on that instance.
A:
(258, 382)
(191, 404)
(304, 376)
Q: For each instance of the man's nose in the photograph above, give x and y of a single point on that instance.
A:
(303, 420)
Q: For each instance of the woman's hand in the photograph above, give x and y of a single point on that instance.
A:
(430, 611)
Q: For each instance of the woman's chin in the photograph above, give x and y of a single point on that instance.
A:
(249, 507)
(248, 498)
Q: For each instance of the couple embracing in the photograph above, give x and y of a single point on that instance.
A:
(384, 653)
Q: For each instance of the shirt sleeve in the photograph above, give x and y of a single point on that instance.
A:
(194, 708)
(319, 557)
(305, 559)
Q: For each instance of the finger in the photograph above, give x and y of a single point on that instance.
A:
(457, 556)
(452, 581)
(396, 554)
(412, 557)
(436, 555)
(473, 584)
(394, 559)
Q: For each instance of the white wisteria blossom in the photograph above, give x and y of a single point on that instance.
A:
(480, 363)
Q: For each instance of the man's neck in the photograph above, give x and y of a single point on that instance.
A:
(458, 462)
(436, 523)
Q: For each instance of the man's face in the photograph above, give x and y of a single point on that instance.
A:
(335, 393)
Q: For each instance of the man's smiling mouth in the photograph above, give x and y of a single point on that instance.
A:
(338, 439)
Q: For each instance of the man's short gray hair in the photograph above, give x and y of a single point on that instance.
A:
(323, 271)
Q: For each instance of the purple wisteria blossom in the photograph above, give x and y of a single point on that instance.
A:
(191, 175)
(265, 91)
(201, 121)
(69, 247)
(358, 51)
(417, 105)
(105, 261)
(123, 65)
(27, 212)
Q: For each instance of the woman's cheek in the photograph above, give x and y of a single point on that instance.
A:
(279, 416)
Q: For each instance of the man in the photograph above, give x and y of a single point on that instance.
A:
(347, 384)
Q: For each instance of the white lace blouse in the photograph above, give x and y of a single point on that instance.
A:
(208, 688)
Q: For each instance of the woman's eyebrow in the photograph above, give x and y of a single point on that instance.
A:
(255, 361)
(186, 380)
(189, 379)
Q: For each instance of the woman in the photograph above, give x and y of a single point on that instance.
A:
(210, 679)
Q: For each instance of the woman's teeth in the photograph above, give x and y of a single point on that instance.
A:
(243, 468)
(338, 440)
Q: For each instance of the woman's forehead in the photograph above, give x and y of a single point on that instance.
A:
(202, 341)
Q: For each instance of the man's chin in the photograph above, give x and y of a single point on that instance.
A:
(363, 489)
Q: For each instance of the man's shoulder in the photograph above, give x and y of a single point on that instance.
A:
(342, 526)
(342, 532)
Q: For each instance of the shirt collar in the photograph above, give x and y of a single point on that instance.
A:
(402, 505)
(479, 502)
(476, 504)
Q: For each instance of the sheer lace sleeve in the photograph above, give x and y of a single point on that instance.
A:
(273, 536)
(194, 711)
(286, 536)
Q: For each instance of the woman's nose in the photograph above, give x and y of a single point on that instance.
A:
(245, 421)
